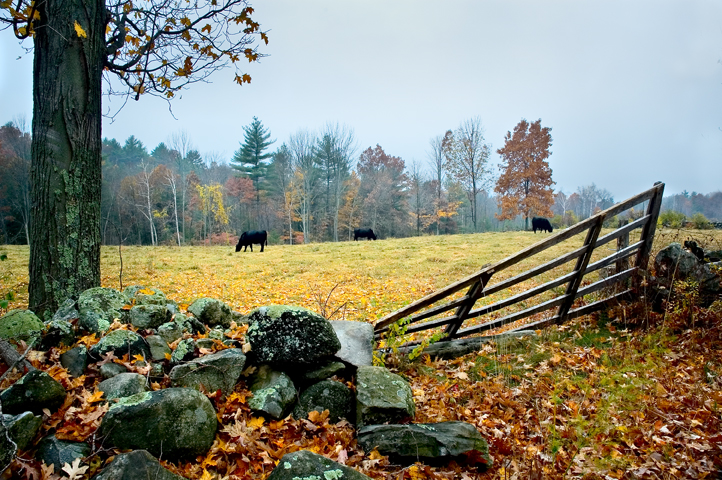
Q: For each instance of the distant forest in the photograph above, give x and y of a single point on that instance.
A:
(315, 187)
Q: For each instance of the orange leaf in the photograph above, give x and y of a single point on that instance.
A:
(96, 397)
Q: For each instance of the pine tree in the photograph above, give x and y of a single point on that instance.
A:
(250, 159)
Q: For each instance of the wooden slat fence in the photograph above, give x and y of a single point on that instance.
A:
(425, 314)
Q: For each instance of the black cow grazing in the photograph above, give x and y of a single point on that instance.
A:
(249, 238)
(363, 233)
(542, 224)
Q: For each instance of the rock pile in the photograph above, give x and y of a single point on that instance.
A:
(300, 362)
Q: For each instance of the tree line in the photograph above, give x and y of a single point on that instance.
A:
(315, 186)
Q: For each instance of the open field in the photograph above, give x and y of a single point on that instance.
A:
(371, 278)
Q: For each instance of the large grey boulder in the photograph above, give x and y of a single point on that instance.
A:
(21, 325)
(290, 336)
(21, 428)
(217, 371)
(120, 342)
(75, 360)
(357, 342)
(33, 392)
(273, 392)
(174, 422)
(123, 385)
(148, 316)
(138, 464)
(425, 441)
(326, 395)
(212, 312)
(312, 466)
(382, 396)
(59, 452)
(98, 307)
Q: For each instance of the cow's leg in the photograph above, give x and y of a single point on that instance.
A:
(251, 245)
(261, 246)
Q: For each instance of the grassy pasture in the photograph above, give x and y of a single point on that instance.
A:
(370, 278)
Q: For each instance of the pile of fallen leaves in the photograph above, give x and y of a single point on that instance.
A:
(591, 399)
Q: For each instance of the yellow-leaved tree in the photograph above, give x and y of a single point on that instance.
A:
(142, 47)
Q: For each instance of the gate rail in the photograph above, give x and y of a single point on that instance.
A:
(478, 283)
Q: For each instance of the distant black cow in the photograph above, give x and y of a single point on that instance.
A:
(363, 233)
(538, 223)
(249, 238)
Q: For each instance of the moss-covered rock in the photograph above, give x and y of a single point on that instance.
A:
(170, 331)
(183, 352)
(286, 336)
(174, 422)
(212, 312)
(158, 347)
(56, 333)
(109, 370)
(57, 452)
(329, 395)
(217, 371)
(273, 392)
(426, 441)
(33, 392)
(21, 428)
(382, 396)
(68, 311)
(135, 465)
(305, 465)
(146, 296)
(21, 325)
(75, 360)
(148, 316)
(98, 307)
(120, 342)
(123, 385)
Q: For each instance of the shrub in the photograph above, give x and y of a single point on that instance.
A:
(700, 222)
(671, 219)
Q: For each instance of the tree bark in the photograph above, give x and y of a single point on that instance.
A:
(65, 175)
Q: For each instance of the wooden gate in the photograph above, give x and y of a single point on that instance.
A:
(430, 312)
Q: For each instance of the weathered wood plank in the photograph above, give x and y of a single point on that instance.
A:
(581, 266)
(512, 317)
(475, 292)
(627, 252)
(510, 282)
(640, 222)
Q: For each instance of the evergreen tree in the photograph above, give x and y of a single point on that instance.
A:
(250, 159)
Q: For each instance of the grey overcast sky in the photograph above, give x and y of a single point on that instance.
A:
(631, 89)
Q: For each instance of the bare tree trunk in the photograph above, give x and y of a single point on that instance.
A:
(66, 152)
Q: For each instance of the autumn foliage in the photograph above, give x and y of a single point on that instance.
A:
(525, 185)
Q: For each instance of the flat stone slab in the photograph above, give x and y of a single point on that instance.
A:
(357, 342)
(425, 441)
